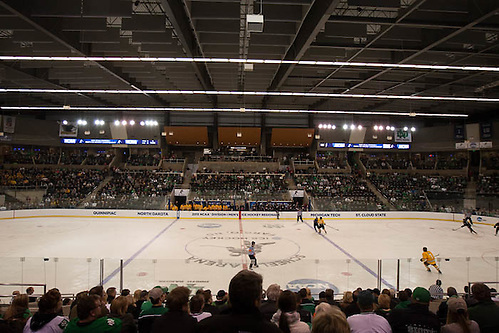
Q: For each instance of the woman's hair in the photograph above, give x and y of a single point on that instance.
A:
(17, 308)
(136, 295)
(332, 321)
(119, 305)
(322, 307)
(458, 313)
(384, 301)
(347, 297)
(49, 303)
(286, 303)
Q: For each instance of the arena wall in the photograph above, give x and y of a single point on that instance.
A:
(247, 215)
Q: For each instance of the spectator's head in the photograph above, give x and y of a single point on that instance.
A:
(178, 299)
(124, 292)
(322, 307)
(438, 282)
(322, 296)
(196, 304)
(384, 301)
(451, 291)
(329, 294)
(89, 308)
(144, 295)
(245, 290)
(19, 304)
(333, 321)
(30, 290)
(136, 295)
(99, 291)
(273, 292)
(119, 306)
(208, 299)
(408, 291)
(403, 296)
(303, 293)
(457, 312)
(221, 295)
(111, 294)
(157, 296)
(287, 301)
(421, 296)
(467, 289)
(365, 301)
(481, 292)
(50, 302)
(347, 297)
(376, 292)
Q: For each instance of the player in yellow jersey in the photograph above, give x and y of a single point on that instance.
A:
(429, 259)
(321, 225)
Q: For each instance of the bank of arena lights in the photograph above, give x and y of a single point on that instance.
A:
(255, 61)
(100, 122)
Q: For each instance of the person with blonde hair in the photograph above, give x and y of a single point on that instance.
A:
(18, 312)
(383, 305)
(331, 321)
(119, 307)
(457, 318)
(347, 300)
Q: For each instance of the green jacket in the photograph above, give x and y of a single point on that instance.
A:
(100, 325)
(486, 314)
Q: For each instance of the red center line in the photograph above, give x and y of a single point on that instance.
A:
(244, 260)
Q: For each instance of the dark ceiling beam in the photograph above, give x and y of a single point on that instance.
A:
(311, 25)
(408, 11)
(21, 9)
(428, 47)
(179, 18)
(42, 74)
(414, 55)
(408, 23)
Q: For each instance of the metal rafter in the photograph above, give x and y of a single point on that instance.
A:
(16, 8)
(311, 25)
(184, 30)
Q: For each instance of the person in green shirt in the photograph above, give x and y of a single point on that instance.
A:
(90, 319)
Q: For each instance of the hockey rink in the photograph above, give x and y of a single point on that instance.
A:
(66, 252)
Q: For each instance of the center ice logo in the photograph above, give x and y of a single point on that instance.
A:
(315, 286)
(221, 249)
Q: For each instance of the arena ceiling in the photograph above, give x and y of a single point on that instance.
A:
(393, 32)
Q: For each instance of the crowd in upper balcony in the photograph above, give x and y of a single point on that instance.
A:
(331, 160)
(451, 161)
(144, 159)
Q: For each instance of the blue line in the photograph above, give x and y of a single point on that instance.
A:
(129, 260)
(357, 261)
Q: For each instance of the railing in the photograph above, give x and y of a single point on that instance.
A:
(213, 266)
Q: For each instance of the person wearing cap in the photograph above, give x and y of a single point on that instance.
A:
(177, 319)
(221, 299)
(485, 312)
(417, 317)
(367, 320)
(148, 316)
(457, 318)
(429, 259)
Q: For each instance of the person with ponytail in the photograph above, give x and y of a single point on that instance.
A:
(47, 319)
(457, 318)
(286, 316)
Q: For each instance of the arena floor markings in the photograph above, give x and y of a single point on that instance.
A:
(208, 252)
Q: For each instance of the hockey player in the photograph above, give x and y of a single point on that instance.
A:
(316, 224)
(251, 254)
(429, 259)
(467, 217)
(466, 223)
(497, 227)
(299, 215)
(321, 225)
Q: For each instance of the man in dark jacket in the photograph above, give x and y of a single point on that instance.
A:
(245, 294)
(417, 317)
(177, 319)
(485, 312)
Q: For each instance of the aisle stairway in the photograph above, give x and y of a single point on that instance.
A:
(380, 196)
(470, 195)
(95, 191)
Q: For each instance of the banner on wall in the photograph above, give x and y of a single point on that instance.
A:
(459, 132)
(485, 131)
(68, 130)
(402, 136)
(9, 124)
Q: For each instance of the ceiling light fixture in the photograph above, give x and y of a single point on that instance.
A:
(255, 61)
(246, 93)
